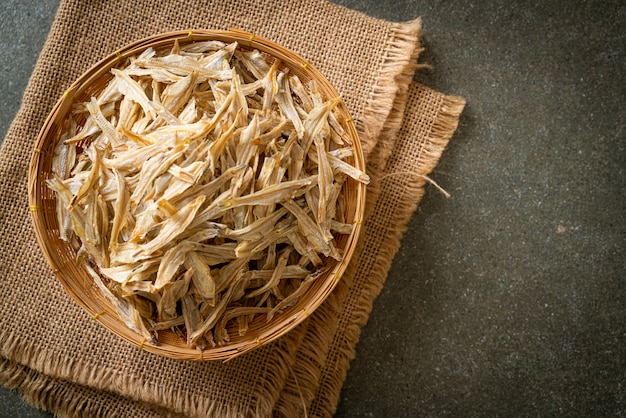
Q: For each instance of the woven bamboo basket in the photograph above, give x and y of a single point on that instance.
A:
(77, 281)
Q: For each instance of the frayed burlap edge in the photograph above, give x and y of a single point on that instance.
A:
(43, 392)
(275, 375)
(70, 399)
(52, 367)
(313, 352)
(66, 399)
(385, 105)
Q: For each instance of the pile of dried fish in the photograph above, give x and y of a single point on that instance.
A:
(203, 187)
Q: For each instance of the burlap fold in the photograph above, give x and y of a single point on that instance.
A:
(63, 361)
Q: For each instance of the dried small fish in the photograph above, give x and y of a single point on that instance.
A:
(191, 316)
(285, 102)
(124, 309)
(341, 166)
(275, 278)
(271, 194)
(183, 65)
(239, 312)
(120, 212)
(172, 227)
(203, 281)
(171, 294)
(105, 126)
(172, 260)
(91, 180)
(64, 159)
(293, 297)
(202, 188)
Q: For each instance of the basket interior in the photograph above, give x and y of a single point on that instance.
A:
(75, 278)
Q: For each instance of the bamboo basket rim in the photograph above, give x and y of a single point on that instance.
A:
(82, 289)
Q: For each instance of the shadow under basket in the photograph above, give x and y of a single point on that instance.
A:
(78, 282)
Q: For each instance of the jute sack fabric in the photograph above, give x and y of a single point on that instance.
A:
(63, 361)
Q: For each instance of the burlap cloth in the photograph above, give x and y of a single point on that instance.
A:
(63, 361)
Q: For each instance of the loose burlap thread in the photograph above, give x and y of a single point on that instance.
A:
(63, 361)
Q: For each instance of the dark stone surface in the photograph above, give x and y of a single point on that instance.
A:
(509, 298)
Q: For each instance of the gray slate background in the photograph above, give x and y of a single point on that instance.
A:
(507, 299)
